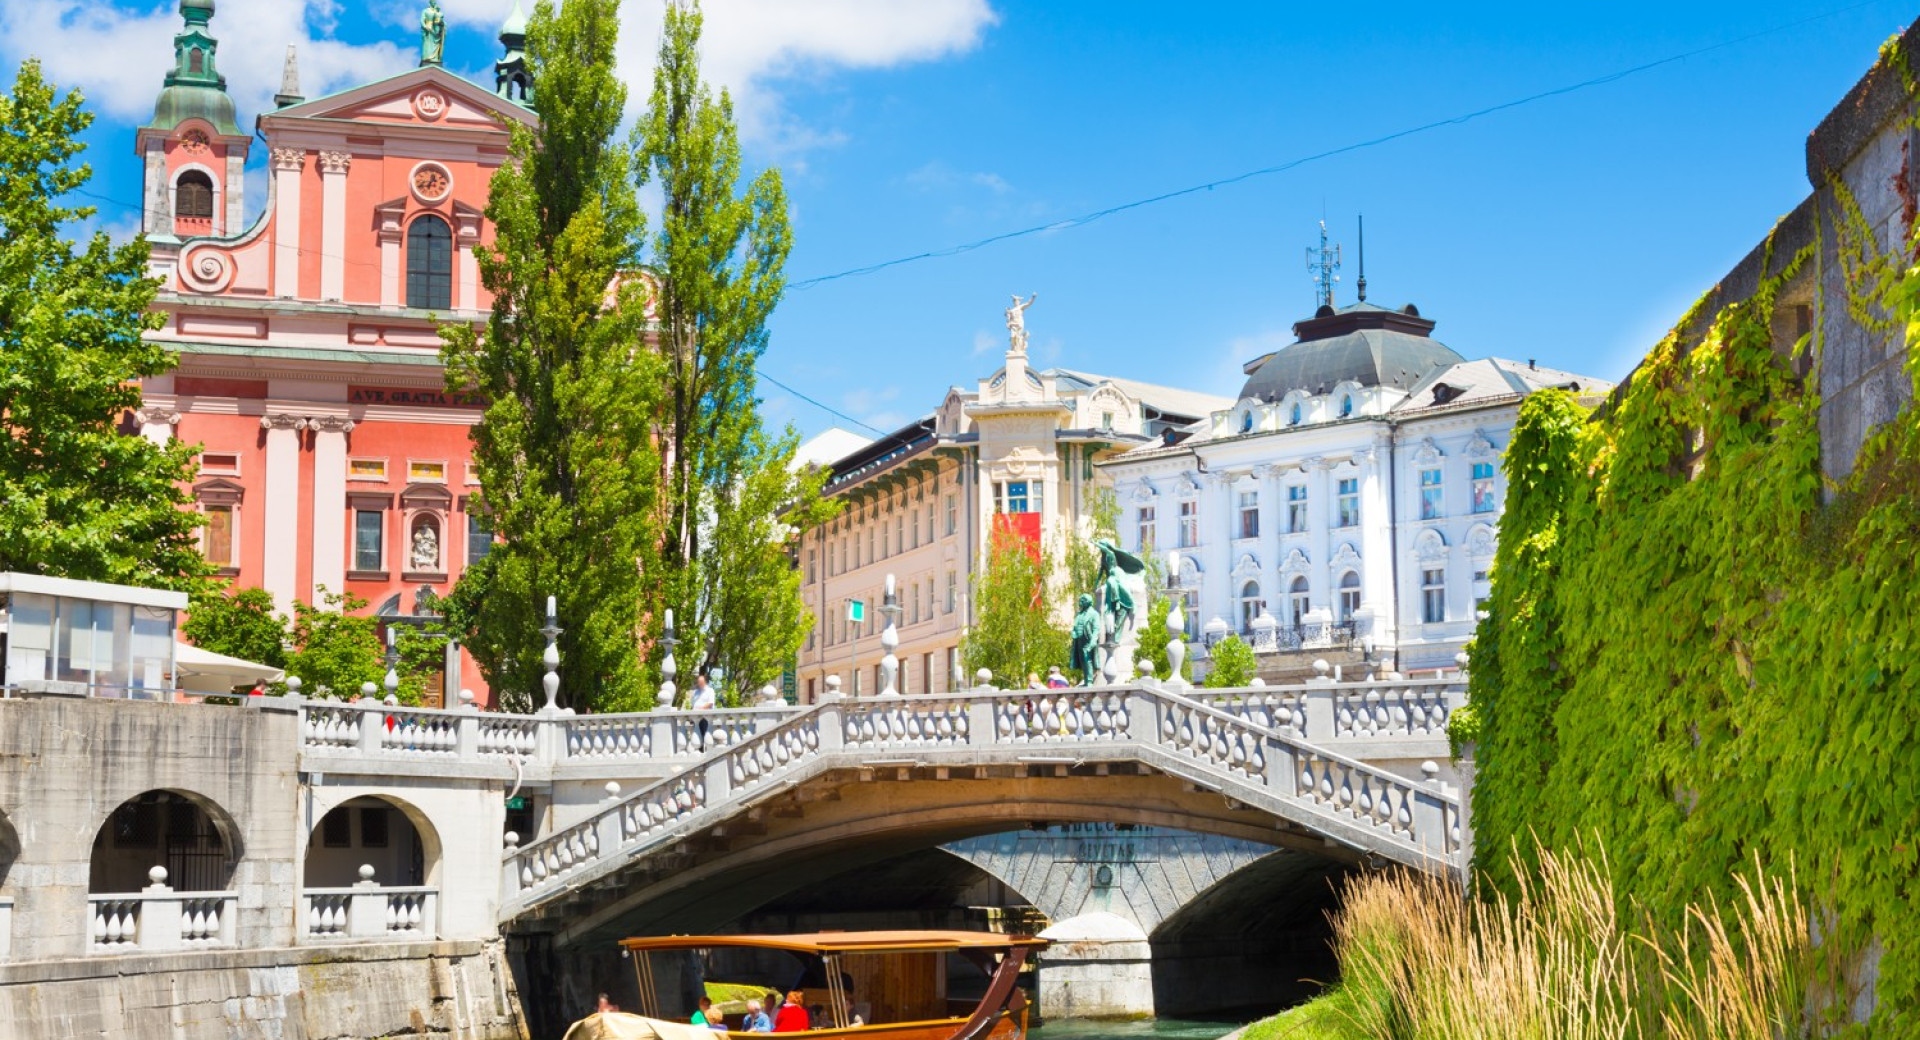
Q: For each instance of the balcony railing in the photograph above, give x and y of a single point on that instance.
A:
(157, 918)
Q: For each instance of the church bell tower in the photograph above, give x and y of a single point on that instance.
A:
(194, 150)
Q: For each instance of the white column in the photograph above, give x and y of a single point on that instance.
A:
(1216, 539)
(329, 503)
(333, 224)
(157, 422)
(281, 540)
(1320, 514)
(287, 164)
(236, 192)
(1376, 542)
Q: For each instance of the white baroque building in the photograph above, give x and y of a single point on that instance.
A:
(1346, 505)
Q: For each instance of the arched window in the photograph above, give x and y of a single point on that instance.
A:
(430, 264)
(1349, 596)
(1251, 605)
(193, 196)
(1296, 413)
(1246, 421)
(1297, 601)
(1346, 406)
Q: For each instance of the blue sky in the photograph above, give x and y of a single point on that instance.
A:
(1573, 229)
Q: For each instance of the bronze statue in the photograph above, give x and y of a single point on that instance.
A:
(1115, 561)
(1086, 640)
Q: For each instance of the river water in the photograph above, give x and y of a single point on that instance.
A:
(1140, 1029)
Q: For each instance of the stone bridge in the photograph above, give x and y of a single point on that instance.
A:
(442, 858)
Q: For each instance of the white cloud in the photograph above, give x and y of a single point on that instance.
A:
(750, 46)
(119, 56)
(938, 176)
(985, 342)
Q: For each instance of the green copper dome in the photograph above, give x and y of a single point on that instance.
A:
(195, 89)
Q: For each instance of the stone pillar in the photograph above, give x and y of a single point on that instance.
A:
(1320, 514)
(333, 224)
(280, 539)
(287, 165)
(1272, 511)
(1376, 542)
(1099, 966)
(157, 218)
(235, 191)
(157, 422)
(329, 503)
(1216, 540)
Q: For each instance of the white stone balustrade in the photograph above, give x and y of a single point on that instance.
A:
(158, 919)
(369, 910)
(1249, 747)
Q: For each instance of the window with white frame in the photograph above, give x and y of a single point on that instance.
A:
(953, 516)
(1433, 503)
(1483, 498)
(1252, 605)
(368, 534)
(1297, 601)
(1297, 508)
(1348, 514)
(1189, 524)
(916, 527)
(1349, 596)
(1143, 525)
(953, 589)
(1249, 514)
(1433, 595)
(1019, 496)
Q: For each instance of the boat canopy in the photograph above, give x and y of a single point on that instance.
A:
(842, 942)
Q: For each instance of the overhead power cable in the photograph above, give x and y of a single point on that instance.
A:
(1266, 171)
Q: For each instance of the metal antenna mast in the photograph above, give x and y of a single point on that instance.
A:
(1362, 283)
(1322, 263)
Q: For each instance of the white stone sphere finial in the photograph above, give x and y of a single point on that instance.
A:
(366, 872)
(293, 686)
(158, 875)
(613, 789)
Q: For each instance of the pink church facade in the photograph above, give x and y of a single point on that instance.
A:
(334, 460)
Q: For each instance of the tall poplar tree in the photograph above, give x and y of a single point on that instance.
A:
(565, 451)
(720, 254)
(1016, 604)
(79, 498)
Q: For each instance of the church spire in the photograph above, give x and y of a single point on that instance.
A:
(510, 77)
(289, 82)
(193, 48)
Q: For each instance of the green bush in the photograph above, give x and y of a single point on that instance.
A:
(1233, 664)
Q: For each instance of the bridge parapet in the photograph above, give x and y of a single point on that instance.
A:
(1420, 822)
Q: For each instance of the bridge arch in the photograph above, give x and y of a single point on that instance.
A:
(1261, 931)
(192, 836)
(388, 833)
(9, 849)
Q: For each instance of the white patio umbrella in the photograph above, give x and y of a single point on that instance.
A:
(203, 671)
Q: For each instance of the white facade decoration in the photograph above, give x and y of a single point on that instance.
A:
(1376, 477)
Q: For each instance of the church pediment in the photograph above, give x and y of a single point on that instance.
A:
(425, 96)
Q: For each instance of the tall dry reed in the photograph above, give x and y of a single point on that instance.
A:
(1422, 960)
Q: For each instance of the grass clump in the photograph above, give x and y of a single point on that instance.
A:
(1421, 959)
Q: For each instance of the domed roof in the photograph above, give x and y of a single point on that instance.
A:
(182, 102)
(1364, 343)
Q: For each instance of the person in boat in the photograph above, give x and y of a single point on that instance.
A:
(705, 1016)
(792, 1016)
(757, 1021)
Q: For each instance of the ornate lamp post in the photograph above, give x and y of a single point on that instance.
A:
(668, 669)
(551, 658)
(392, 681)
(889, 639)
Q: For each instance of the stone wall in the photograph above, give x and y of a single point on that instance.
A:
(437, 991)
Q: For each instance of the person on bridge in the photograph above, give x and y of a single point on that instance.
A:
(792, 1016)
(703, 698)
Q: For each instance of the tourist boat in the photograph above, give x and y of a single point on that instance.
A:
(864, 985)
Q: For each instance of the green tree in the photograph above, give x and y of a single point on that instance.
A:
(720, 254)
(1016, 628)
(239, 623)
(78, 498)
(336, 649)
(565, 449)
(1101, 515)
(1233, 664)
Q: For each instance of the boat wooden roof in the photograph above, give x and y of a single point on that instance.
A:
(840, 942)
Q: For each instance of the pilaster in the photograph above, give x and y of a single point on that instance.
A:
(280, 541)
(1216, 540)
(1267, 479)
(329, 502)
(333, 224)
(287, 164)
(1320, 514)
(1376, 542)
(235, 189)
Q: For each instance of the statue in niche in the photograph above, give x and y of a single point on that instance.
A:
(1017, 321)
(433, 34)
(426, 548)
